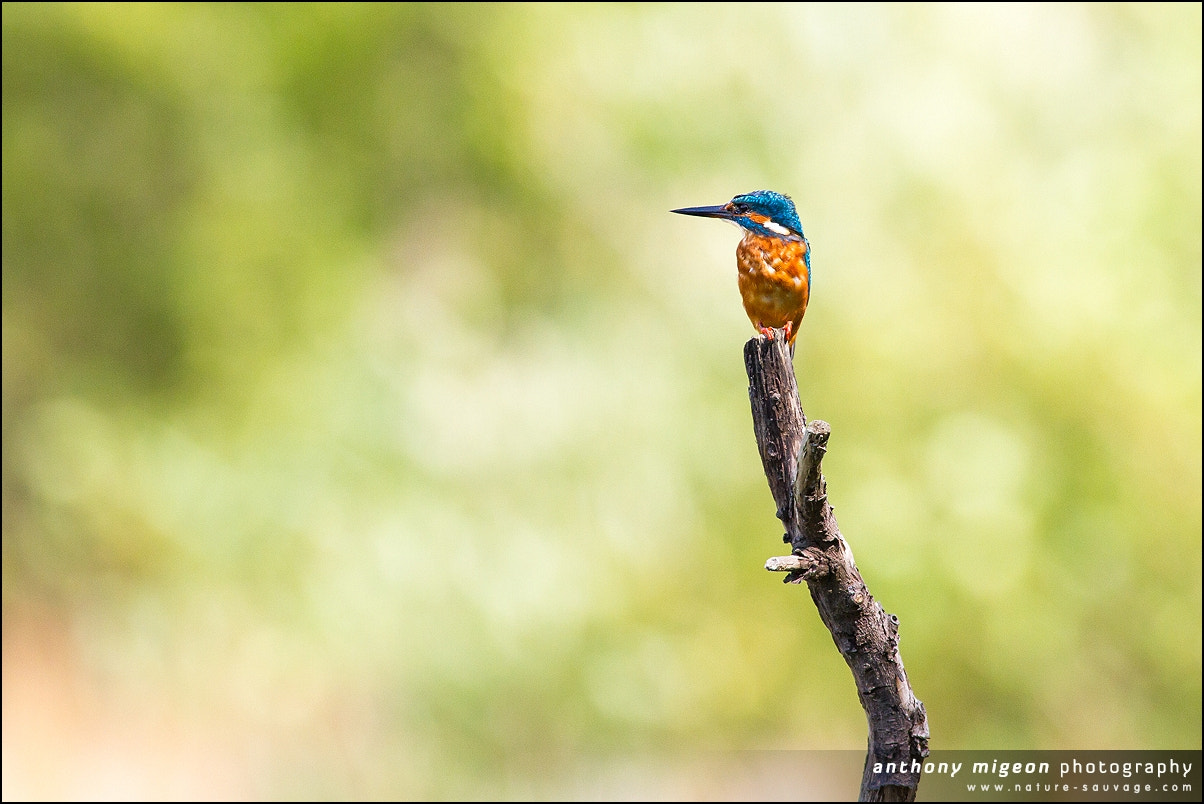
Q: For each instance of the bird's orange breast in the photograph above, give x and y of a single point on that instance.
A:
(773, 280)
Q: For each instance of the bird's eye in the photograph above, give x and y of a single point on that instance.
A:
(741, 208)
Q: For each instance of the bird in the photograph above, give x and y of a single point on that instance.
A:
(773, 259)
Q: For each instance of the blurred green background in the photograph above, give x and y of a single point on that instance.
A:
(370, 428)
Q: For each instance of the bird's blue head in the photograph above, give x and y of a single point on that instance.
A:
(762, 212)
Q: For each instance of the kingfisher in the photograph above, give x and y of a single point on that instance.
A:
(773, 260)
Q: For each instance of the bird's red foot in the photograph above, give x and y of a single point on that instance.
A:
(766, 331)
(789, 329)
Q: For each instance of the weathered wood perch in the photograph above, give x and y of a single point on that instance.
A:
(867, 637)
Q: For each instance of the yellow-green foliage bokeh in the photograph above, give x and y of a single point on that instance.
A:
(370, 428)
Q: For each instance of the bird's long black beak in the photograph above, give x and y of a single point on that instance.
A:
(707, 212)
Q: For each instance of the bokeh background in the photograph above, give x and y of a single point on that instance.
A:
(371, 429)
